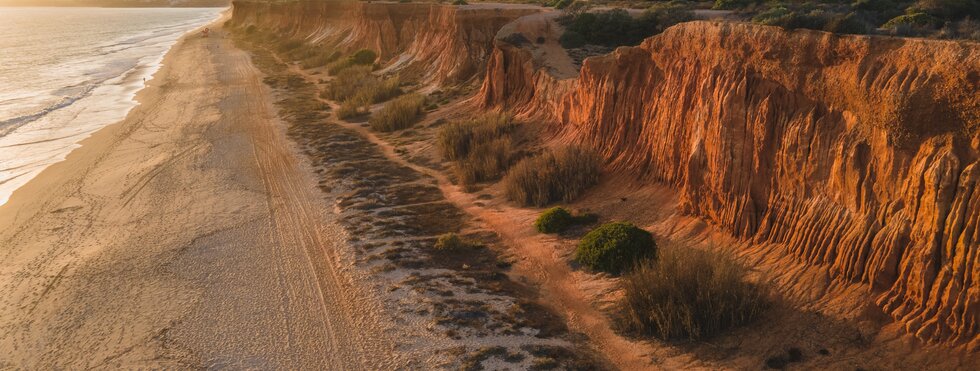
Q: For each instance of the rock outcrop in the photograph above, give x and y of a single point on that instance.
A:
(856, 153)
(445, 44)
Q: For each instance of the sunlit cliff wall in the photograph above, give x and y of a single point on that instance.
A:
(859, 154)
(446, 43)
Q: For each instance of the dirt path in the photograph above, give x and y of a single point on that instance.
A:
(187, 236)
(541, 261)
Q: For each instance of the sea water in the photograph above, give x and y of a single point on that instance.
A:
(68, 72)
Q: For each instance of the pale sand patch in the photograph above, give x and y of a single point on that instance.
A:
(188, 235)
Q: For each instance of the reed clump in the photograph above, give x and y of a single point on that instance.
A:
(400, 113)
(687, 294)
(363, 57)
(351, 108)
(481, 149)
(556, 175)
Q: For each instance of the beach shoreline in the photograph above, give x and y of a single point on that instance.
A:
(78, 91)
(188, 235)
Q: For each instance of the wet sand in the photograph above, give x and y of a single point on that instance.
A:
(188, 235)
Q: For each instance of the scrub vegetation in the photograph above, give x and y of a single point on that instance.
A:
(687, 294)
(556, 175)
(481, 149)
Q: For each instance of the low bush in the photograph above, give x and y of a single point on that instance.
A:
(557, 220)
(560, 175)
(460, 2)
(288, 45)
(554, 220)
(363, 57)
(348, 82)
(732, 4)
(571, 40)
(320, 59)
(481, 149)
(486, 161)
(352, 107)
(616, 27)
(450, 241)
(615, 247)
(687, 294)
(456, 139)
(912, 20)
(377, 91)
(398, 114)
(560, 4)
(847, 24)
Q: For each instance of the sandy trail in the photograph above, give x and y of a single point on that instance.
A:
(541, 261)
(189, 235)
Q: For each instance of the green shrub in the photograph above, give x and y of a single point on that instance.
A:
(874, 5)
(557, 220)
(398, 114)
(560, 175)
(289, 45)
(948, 9)
(731, 4)
(616, 27)
(847, 24)
(561, 4)
(554, 220)
(687, 294)
(460, 2)
(615, 247)
(450, 241)
(912, 20)
(571, 39)
(364, 57)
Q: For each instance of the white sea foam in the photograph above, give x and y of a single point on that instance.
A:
(68, 72)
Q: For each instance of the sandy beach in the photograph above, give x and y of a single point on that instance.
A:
(188, 235)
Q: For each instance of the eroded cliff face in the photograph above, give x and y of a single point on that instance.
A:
(445, 44)
(855, 153)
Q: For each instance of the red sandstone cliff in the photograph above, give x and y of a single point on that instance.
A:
(445, 43)
(854, 153)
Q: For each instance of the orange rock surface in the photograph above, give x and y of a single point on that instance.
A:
(447, 44)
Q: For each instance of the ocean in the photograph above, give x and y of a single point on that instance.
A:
(68, 72)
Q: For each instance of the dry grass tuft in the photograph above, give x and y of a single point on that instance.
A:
(348, 82)
(352, 107)
(688, 294)
(481, 149)
(398, 114)
(560, 175)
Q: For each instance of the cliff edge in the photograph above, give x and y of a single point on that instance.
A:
(445, 44)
